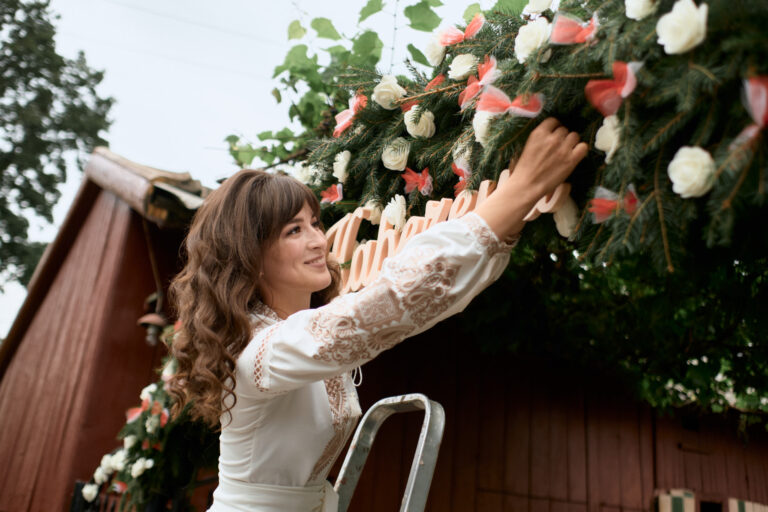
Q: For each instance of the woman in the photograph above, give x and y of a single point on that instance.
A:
(253, 353)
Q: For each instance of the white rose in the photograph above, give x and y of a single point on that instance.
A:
(90, 491)
(304, 173)
(566, 218)
(462, 152)
(340, 163)
(425, 127)
(375, 211)
(639, 9)
(100, 476)
(394, 212)
(387, 92)
(138, 467)
(462, 65)
(118, 460)
(683, 27)
(481, 123)
(106, 464)
(146, 393)
(607, 138)
(129, 441)
(395, 155)
(536, 6)
(692, 171)
(434, 52)
(531, 37)
(152, 423)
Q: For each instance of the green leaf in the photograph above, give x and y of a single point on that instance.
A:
(470, 12)
(232, 139)
(372, 7)
(295, 30)
(512, 7)
(367, 48)
(417, 55)
(284, 135)
(336, 49)
(265, 135)
(277, 95)
(325, 29)
(422, 16)
(434, 3)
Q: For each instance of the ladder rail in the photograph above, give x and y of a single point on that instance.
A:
(424, 460)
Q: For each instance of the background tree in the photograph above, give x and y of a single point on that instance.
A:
(51, 115)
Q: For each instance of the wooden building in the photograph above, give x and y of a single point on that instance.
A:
(520, 435)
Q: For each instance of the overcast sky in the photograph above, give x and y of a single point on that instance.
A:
(187, 73)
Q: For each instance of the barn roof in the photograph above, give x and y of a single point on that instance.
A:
(168, 199)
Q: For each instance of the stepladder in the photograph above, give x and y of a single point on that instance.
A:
(424, 459)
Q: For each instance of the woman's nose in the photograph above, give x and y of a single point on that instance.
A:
(318, 239)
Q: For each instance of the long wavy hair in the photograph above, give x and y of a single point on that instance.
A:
(219, 286)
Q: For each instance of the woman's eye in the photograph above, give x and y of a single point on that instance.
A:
(293, 230)
(316, 224)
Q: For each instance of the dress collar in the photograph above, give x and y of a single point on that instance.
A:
(264, 316)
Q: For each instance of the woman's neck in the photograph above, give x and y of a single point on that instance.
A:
(285, 305)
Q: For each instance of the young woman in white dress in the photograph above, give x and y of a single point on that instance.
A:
(266, 346)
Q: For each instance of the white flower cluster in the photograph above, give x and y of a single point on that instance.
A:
(147, 392)
(140, 466)
(90, 491)
(639, 9)
(307, 174)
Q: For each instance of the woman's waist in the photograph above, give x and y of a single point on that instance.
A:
(237, 495)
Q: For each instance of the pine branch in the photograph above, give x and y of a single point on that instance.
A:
(657, 194)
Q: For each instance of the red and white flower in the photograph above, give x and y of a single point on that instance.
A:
(607, 202)
(453, 35)
(571, 30)
(495, 101)
(487, 72)
(461, 169)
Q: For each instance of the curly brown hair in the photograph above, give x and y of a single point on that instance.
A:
(219, 286)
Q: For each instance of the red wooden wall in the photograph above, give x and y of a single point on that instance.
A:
(531, 436)
(82, 359)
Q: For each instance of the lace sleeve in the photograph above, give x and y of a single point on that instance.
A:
(436, 275)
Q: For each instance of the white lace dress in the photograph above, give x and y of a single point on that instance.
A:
(296, 403)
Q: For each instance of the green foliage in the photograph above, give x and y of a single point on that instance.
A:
(50, 111)
(372, 7)
(422, 16)
(470, 12)
(325, 28)
(673, 295)
(295, 30)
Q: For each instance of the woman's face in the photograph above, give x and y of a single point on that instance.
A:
(294, 265)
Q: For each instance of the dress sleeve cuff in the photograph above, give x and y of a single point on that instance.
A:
(485, 237)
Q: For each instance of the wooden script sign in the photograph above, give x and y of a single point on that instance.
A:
(367, 259)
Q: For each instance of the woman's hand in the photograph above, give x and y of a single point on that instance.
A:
(549, 156)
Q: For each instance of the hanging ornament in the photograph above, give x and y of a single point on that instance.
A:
(607, 202)
(461, 169)
(495, 101)
(755, 99)
(488, 73)
(607, 95)
(571, 30)
(414, 180)
(453, 35)
(332, 194)
(344, 118)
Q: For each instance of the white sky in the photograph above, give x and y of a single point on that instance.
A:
(187, 73)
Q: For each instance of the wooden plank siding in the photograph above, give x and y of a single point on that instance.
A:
(524, 436)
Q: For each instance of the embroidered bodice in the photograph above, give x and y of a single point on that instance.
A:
(296, 404)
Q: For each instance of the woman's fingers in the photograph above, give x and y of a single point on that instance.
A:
(580, 151)
(549, 124)
(572, 139)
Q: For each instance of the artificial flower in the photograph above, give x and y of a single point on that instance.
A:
(394, 212)
(340, 163)
(692, 171)
(683, 28)
(461, 66)
(607, 138)
(387, 92)
(395, 155)
(90, 491)
(567, 218)
(424, 127)
(375, 211)
(434, 51)
(532, 36)
(639, 9)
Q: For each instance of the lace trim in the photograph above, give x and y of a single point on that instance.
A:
(356, 327)
(485, 237)
(342, 426)
(260, 361)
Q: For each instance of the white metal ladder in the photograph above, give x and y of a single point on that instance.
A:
(424, 460)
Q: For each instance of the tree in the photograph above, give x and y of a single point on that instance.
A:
(50, 112)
